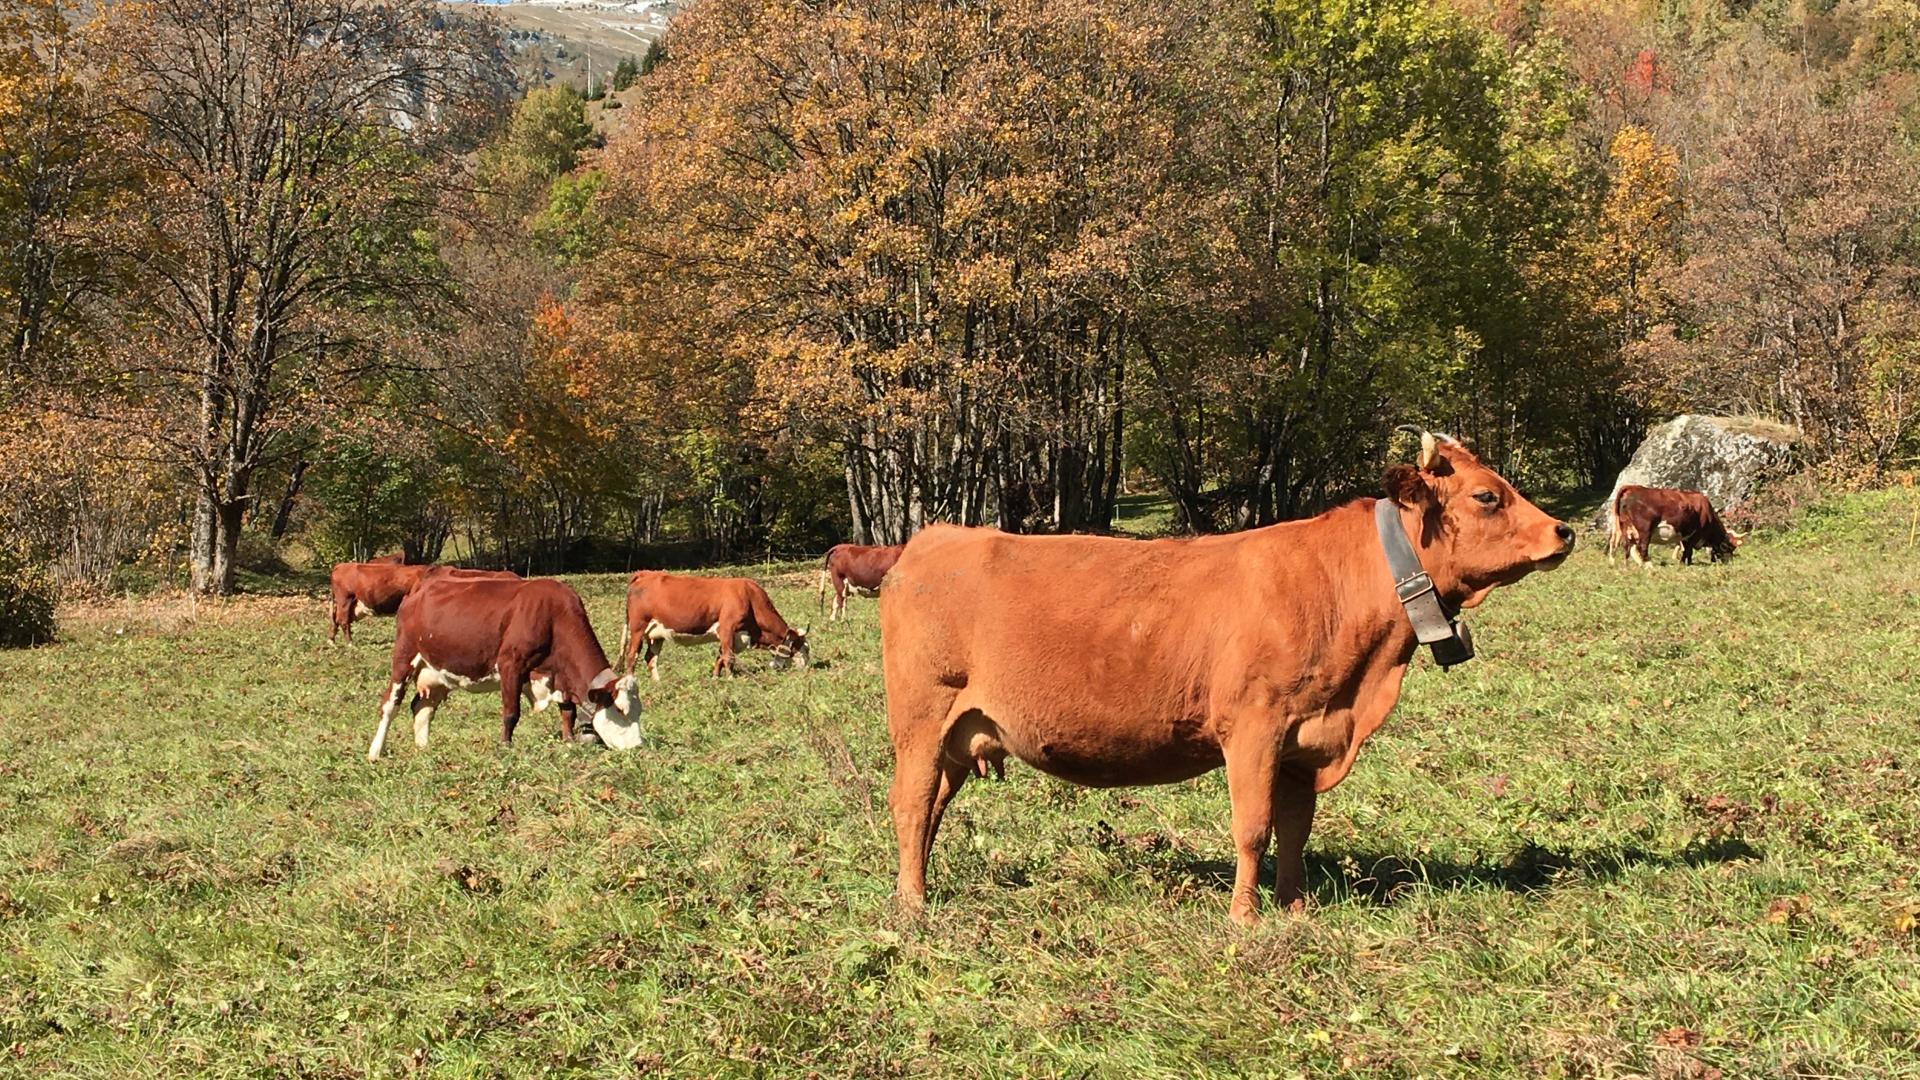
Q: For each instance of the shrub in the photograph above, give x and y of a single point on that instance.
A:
(26, 598)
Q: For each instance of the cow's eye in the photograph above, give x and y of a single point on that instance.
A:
(1486, 498)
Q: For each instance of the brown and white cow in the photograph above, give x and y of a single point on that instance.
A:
(377, 587)
(736, 612)
(1110, 662)
(858, 567)
(1684, 518)
(531, 638)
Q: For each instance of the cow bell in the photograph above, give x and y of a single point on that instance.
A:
(1457, 649)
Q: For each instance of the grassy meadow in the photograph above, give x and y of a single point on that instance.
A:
(1667, 825)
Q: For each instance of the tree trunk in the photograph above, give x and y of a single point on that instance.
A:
(281, 516)
(223, 574)
(200, 554)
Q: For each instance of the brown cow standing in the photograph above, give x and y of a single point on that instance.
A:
(1642, 514)
(377, 587)
(1108, 662)
(855, 566)
(527, 638)
(736, 612)
(368, 588)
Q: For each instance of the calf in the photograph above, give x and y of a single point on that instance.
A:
(858, 567)
(532, 638)
(1109, 662)
(1643, 514)
(377, 587)
(735, 612)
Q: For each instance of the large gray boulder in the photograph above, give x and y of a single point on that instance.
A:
(1728, 458)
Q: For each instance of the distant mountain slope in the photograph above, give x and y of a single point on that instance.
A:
(557, 41)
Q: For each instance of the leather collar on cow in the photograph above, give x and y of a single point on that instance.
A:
(1433, 623)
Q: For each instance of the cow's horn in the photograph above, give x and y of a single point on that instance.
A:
(1429, 443)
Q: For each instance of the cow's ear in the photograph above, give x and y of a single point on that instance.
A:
(1405, 486)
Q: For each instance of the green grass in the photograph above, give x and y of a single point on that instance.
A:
(1667, 824)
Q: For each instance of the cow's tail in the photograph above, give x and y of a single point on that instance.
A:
(1618, 535)
(626, 633)
(826, 575)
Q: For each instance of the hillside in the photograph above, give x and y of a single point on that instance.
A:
(557, 41)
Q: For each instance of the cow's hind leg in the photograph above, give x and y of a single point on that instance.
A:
(513, 683)
(631, 640)
(425, 701)
(728, 629)
(342, 616)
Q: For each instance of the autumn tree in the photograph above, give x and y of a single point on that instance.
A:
(918, 229)
(1803, 280)
(291, 148)
(58, 174)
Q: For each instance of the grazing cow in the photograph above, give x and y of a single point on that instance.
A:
(532, 638)
(377, 587)
(369, 588)
(1685, 518)
(1109, 662)
(735, 612)
(858, 567)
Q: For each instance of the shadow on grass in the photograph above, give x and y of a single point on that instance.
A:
(1381, 879)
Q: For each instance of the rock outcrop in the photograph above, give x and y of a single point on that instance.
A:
(1728, 458)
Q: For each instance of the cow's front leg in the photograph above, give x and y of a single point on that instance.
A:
(1292, 815)
(388, 706)
(566, 720)
(400, 672)
(1251, 767)
(512, 686)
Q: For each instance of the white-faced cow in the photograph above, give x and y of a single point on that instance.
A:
(525, 638)
(858, 567)
(1275, 652)
(735, 612)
